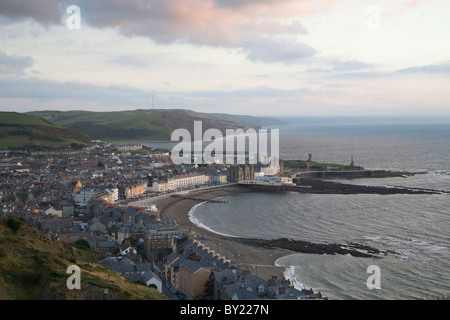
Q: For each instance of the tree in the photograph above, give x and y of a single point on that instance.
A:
(82, 243)
(15, 222)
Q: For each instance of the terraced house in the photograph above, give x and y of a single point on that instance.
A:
(181, 182)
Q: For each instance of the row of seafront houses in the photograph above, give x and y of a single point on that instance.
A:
(182, 182)
(113, 193)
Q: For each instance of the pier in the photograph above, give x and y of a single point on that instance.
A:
(198, 199)
(348, 174)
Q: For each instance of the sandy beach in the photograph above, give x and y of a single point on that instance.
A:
(259, 261)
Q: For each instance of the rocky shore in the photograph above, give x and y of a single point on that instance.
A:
(353, 249)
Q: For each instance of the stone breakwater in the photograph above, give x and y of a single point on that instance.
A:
(318, 186)
(321, 186)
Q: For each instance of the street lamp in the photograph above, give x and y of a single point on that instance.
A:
(217, 247)
(236, 255)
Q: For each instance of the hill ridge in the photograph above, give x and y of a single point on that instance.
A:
(18, 130)
(145, 124)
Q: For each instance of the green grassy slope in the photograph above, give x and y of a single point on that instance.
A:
(27, 131)
(143, 125)
(33, 267)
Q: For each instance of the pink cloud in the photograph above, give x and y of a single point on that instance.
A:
(413, 3)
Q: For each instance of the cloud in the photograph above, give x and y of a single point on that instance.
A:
(440, 68)
(349, 65)
(345, 68)
(412, 3)
(266, 49)
(42, 94)
(14, 64)
(443, 67)
(199, 22)
(257, 92)
(139, 61)
(43, 11)
(247, 3)
(40, 89)
(359, 75)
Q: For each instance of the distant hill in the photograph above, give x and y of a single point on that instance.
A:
(33, 267)
(145, 125)
(19, 130)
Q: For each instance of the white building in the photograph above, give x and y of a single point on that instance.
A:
(83, 196)
(129, 147)
(258, 174)
(180, 182)
(97, 174)
(268, 181)
(50, 211)
(110, 195)
(150, 278)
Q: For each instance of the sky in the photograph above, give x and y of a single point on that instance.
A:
(253, 57)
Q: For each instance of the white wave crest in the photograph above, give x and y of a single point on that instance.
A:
(199, 224)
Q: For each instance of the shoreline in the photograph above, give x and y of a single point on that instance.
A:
(258, 260)
(259, 256)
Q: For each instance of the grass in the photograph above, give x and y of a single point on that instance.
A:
(27, 131)
(139, 125)
(33, 266)
(14, 118)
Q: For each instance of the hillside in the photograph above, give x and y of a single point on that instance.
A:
(33, 267)
(27, 131)
(144, 125)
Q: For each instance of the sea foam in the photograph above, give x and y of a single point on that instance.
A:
(199, 224)
(289, 274)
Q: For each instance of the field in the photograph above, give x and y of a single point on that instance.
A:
(28, 131)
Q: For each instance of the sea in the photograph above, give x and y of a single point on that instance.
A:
(415, 229)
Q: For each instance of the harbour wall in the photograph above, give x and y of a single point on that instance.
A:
(353, 174)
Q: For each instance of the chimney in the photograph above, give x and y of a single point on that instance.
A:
(282, 290)
(271, 282)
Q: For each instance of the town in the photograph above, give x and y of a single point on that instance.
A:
(92, 195)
